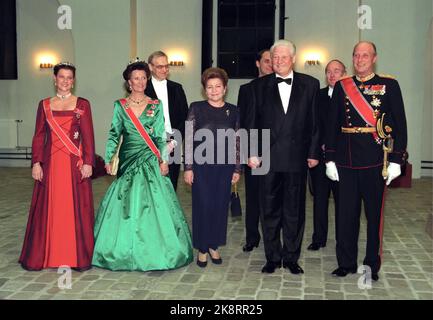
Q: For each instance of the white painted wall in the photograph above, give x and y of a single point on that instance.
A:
(175, 28)
(326, 26)
(400, 31)
(427, 132)
(37, 32)
(101, 35)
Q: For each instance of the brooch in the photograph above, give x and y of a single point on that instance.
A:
(78, 113)
(76, 135)
(150, 113)
(228, 112)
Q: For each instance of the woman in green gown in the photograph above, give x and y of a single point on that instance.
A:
(140, 224)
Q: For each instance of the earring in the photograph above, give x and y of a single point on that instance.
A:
(130, 88)
(72, 86)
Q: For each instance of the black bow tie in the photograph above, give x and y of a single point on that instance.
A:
(288, 81)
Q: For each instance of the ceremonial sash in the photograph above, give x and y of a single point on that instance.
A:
(140, 129)
(362, 107)
(63, 137)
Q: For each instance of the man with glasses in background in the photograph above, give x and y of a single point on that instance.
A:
(174, 103)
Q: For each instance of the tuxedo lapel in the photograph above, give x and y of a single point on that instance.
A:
(150, 90)
(171, 98)
(295, 95)
(274, 95)
(275, 106)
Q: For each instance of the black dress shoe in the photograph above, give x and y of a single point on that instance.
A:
(249, 247)
(270, 267)
(342, 272)
(216, 261)
(375, 276)
(293, 267)
(316, 246)
(201, 264)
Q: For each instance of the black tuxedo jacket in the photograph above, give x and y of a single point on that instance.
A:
(294, 136)
(177, 104)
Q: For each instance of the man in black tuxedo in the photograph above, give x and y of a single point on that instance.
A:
(322, 185)
(252, 211)
(285, 104)
(175, 107)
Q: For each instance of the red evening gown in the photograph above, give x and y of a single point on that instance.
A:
(61, 217)
(60, 248)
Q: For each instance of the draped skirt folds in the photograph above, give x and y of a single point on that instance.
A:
(140, 224)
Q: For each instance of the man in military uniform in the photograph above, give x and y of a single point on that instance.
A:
(355, 155)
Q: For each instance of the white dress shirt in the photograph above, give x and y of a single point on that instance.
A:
(162, 93)
(285, 90)
(330, 91)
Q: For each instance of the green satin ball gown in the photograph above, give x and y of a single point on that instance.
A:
(140, 224)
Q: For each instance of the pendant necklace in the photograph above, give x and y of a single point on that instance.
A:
(135, 101)
(63, 97)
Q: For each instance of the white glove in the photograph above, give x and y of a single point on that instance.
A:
(331, 171)
(394, 171)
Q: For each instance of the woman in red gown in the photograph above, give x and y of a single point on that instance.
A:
(61, 218)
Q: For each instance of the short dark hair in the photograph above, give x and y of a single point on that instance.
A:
(214, 73)
(259, 55)
(140, 65)
(61, 66)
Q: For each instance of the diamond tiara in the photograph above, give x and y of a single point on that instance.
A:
(64, 64)
(137, 59)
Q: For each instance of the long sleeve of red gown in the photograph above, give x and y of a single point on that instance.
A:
(39, 137)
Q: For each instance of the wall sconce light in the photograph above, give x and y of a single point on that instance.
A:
(312, 59)
(46, 65)
(313, 62)
(176, 63)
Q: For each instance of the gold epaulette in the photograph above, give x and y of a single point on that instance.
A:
(386, 76)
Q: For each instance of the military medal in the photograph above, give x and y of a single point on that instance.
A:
(376, 102)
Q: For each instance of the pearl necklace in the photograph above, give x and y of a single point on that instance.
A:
(64, 97)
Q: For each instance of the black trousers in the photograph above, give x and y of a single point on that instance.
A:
(322, 187)
(283, 209)
(173, 172)
(357, 185)
(252, 211)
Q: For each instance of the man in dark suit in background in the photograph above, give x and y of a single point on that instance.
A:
(252, 212)
(286, 105)
(174, 103)
(321, 184)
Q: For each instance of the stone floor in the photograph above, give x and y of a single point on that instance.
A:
(407, 271)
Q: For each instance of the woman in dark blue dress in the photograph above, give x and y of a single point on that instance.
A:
(212, 164)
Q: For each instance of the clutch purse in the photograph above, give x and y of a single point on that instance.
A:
(235, 203)
(114, 162)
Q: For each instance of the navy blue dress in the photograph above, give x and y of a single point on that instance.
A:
(213, 160)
